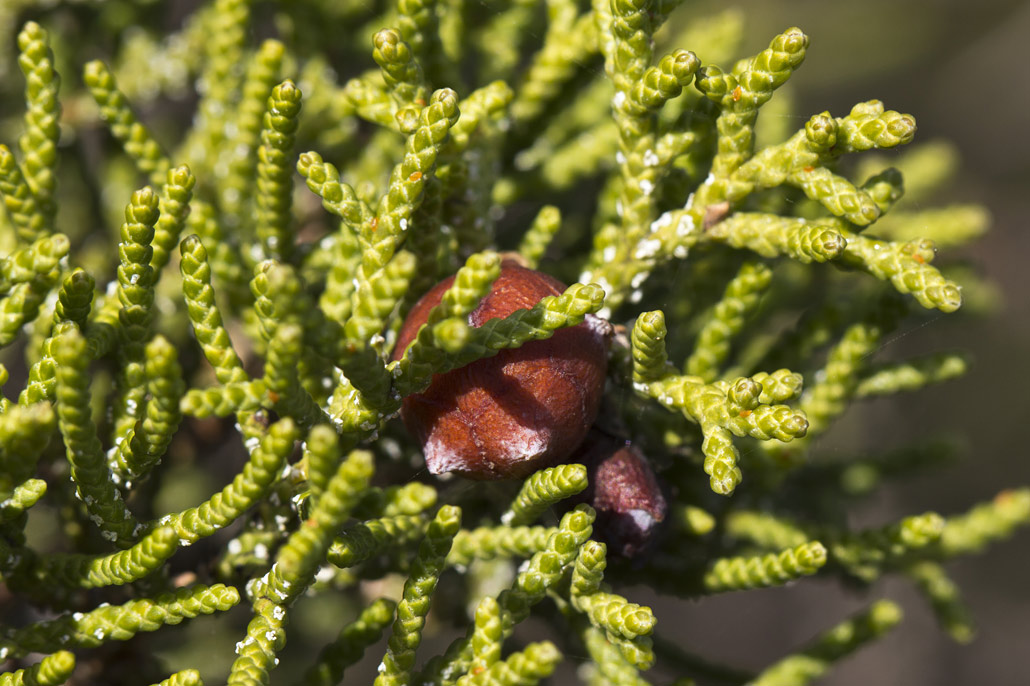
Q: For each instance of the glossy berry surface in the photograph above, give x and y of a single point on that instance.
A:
(507, 416)
(625, 493)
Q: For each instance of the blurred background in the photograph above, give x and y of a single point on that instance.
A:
(964, 72)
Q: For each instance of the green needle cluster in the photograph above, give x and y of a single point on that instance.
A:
(418, 591)
(238, 185)
(626, 625)
(120, 622)
(362, 541)
(38, 144)
(136, 139)
(542, 490)
(112, 570)
(52, 670)
(274, 190)
(350, 644)
(488, 543)
(94, 484)
(187, 677)
(736, 573)
(722, 409)
(525, 668)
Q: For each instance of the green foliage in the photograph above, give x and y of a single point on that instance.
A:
(50, 671)
(524, 668)
(187, 677)
(138, 142)
(274, 183)
(119, 622)
(460, 131)
(735, 573)
(542, 490)
(627, 626)
(830, 647)
(38, 144)
(418, 592)
(349, 646)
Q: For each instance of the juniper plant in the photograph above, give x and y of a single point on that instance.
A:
(176, 303)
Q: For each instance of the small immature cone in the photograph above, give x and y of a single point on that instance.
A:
(624, 491)
(506, 416)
